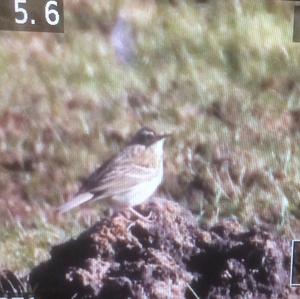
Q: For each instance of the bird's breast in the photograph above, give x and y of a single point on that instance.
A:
(149, 157)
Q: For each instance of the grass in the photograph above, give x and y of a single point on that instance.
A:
(222, 76)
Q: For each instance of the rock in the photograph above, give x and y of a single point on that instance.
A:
(125, 257)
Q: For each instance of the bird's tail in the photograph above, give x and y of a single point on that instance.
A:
(75, 202)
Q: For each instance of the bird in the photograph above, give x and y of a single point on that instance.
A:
(128, 178)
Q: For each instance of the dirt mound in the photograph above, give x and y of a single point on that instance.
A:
(10, 284)
(124, 257)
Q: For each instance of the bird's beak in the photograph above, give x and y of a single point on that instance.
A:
(163, 136)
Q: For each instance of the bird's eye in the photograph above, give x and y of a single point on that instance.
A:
(148, 135)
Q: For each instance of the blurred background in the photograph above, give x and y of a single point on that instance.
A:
(222, 76)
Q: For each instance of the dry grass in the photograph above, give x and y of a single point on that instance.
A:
(222, 76)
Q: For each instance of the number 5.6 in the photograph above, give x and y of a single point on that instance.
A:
(51, 14)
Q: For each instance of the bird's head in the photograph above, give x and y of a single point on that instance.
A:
(146, 136)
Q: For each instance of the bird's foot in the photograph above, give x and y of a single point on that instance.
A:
(142, 217)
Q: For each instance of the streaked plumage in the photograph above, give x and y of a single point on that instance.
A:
(127, 179)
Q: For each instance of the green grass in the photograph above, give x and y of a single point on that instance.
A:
(222, 77)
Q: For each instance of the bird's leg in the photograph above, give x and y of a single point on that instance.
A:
(140, 216)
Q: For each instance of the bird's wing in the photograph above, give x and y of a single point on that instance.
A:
(123, 178)
(120, 174)
(93, 180)
(83, 195)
